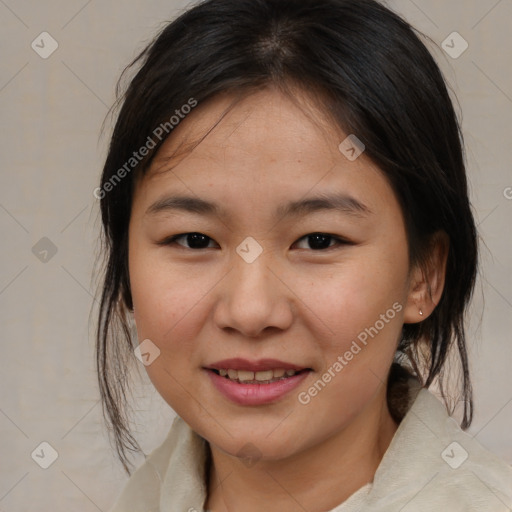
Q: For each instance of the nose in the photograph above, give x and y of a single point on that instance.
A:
(253, 299)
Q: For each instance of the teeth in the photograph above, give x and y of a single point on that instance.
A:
(267, 375)
(244, 376)
(255, 377)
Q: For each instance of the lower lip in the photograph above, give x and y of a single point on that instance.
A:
(255, 394)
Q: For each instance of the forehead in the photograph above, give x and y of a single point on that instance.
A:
(263, 127)
(265, 148)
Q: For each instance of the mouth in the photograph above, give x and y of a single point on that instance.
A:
(255, 382)
(259, 377)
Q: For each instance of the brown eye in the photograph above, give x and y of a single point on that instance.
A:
(322, 241)
(194, 240)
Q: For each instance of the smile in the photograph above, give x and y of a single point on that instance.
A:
(255, 382)
(261, 377)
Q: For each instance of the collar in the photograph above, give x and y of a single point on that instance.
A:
(430, 465)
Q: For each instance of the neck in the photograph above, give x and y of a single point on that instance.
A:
(316, 479)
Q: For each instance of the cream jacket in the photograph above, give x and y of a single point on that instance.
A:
(431, 465)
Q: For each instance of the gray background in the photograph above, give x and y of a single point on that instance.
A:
(51, 157)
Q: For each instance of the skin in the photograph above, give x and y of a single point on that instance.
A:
(292, 303)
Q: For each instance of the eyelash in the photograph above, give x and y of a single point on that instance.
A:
(339, 241)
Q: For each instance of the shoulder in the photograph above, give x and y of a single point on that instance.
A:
(432, 464)
(142, 492)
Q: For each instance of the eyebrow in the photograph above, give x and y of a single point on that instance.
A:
(342, 203)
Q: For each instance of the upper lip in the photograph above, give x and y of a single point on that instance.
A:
(259, 365)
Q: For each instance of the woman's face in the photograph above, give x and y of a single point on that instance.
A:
(255, 292)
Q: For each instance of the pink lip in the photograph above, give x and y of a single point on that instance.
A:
(255, 394)
(260, 365)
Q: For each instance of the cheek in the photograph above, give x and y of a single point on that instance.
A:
(162, 292)
(168, 301)
(353, 297)
(362, 306)
(170, 308)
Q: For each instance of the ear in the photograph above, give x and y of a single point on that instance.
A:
(427, 280)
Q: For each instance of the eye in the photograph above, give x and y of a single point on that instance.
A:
(321, 241)
(195, 240)
(316, 241)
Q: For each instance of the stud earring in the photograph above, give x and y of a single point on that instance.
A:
(421, 312)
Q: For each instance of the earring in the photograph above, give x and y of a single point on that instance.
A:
(421, 312)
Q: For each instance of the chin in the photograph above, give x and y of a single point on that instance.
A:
(269, 439)
(258, 448)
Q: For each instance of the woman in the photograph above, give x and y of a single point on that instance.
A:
(287, 222)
